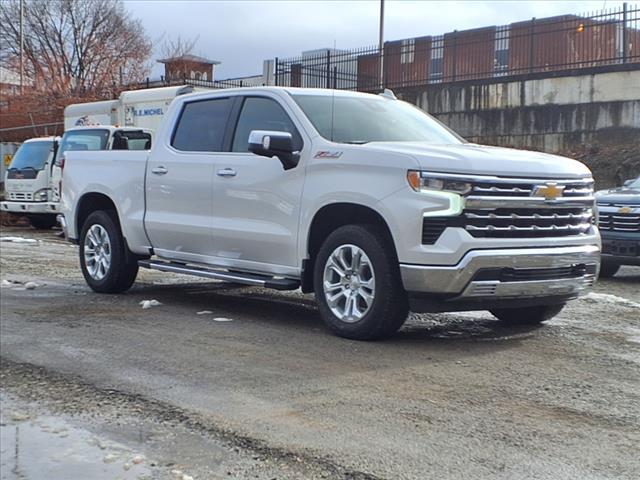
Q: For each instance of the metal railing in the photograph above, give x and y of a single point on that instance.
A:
(607, 37)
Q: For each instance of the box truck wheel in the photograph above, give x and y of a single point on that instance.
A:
(42, 222)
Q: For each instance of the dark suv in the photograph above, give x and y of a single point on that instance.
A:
(619, 224)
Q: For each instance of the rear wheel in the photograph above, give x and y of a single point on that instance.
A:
(608, 270)
(357, 284)
(529, 315)
(43, 222)
(107, 265)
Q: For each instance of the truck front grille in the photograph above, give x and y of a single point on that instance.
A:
(525, 188)
(20, 196)
(619, 222)
(527, 222)
(501, 207)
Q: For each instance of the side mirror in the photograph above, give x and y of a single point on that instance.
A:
(274, 144)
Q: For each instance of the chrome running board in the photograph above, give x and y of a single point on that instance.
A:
(277, 283)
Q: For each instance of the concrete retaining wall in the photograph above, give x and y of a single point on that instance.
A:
(593, 116)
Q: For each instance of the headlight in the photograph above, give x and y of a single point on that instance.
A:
(41, 195)
(421, 181)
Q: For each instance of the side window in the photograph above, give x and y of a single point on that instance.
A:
(262, 114)
(201, 125)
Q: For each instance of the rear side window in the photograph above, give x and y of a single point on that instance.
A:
(262, 114)
(131, 140)
(202, 125)
(90, 139)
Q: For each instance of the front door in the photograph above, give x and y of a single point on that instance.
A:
(179, 184)
(256, 202)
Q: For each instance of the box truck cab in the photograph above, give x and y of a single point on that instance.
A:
(27, 182)
(95, 137)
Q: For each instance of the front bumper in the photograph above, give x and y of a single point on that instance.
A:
(620, 247)
(507, 274)
(26, 208)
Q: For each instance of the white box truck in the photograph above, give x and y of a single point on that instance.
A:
(134, 108)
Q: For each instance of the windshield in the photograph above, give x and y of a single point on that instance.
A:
(31, 155)
(356, 119)
(635, 183)
(95, 139)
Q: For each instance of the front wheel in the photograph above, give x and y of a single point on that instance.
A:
(107, 265)
(43, 222)
(608, 270)
(529, 315)
(357, 284)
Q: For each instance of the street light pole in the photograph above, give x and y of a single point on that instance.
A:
(381, 44)
(21, 47)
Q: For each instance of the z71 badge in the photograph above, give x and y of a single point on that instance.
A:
(327, 154)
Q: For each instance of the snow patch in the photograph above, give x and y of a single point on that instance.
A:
(18, 240)
(149, 303)
(204, 312)
(222, 319)
(593, 297)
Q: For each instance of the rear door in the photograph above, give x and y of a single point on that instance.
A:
(179, 184)
(256, 202)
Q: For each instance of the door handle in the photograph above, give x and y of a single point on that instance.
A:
(159, 170)
(227, 172)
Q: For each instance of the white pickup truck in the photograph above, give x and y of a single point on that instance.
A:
(363, 199)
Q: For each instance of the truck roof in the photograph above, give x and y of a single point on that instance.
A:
(291, 90)
(42, 139)
(108, 127)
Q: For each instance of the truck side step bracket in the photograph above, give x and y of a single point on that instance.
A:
(277, 283)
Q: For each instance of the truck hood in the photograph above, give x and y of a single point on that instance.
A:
(470, 158)
(620, 195)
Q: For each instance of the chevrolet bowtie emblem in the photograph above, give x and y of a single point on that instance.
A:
(550, 191)
(624, 210)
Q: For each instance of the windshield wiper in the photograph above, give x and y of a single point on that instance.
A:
(357, 142)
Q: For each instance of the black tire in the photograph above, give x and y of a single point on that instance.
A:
(390, 306)
(608, 269)
(123, 267)
(527, 315)
(43, 222)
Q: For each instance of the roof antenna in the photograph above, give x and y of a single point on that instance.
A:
(388, 93)
(333, 94)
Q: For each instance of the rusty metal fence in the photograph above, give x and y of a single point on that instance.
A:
(567, 42)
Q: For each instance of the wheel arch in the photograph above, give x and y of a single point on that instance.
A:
(330, 217)
(92, 202)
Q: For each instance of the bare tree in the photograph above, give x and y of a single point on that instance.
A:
(177, 49)
(178, 46)
(72, 46)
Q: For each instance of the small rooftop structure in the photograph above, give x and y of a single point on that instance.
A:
(188, 66)
(189, 58)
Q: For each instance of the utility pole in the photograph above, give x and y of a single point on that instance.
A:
(381, 44)
(21, 47)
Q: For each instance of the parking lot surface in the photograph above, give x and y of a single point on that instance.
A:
(224, 381)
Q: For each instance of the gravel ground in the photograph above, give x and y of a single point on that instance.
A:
(271, 394)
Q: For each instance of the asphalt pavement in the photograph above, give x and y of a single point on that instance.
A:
(224, 381)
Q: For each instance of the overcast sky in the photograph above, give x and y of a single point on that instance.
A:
(242, 33)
